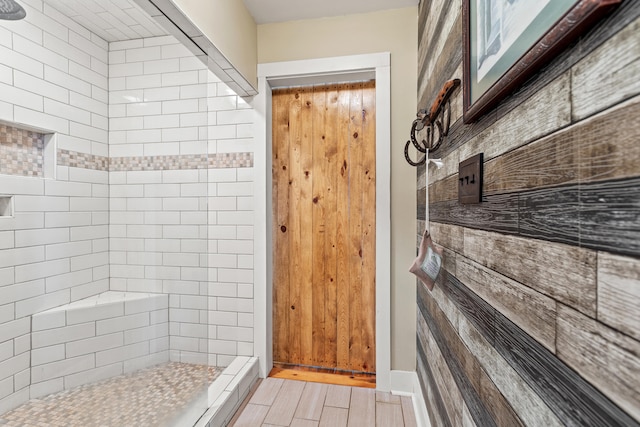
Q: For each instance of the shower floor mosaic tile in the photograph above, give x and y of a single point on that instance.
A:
(150, 397)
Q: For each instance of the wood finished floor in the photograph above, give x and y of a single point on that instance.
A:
(280, 402)
(303, 374)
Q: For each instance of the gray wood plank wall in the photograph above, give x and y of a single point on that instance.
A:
(535, 317)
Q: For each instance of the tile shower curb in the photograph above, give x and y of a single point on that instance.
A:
(228, 391)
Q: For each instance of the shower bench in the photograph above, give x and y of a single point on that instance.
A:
(97, 338)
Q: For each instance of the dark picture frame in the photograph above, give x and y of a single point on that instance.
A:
(507, 41)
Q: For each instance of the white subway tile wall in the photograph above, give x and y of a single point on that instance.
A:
(97, 338)
(180, 156)
(152, 194)
(54, 248)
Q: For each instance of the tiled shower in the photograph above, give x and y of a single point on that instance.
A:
(126, 208)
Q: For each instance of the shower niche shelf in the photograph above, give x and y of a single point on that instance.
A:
(6, 206)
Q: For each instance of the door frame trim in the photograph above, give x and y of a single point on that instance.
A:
(308, 72)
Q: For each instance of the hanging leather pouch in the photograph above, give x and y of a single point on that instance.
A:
(428, 262)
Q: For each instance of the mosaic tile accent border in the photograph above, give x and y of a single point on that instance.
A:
(76, 159)
(195, 161)
(154, 163)
(21, 152)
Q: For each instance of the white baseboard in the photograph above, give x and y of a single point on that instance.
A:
(405, 383)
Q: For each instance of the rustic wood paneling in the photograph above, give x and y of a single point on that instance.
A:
(421, 207)
(294, 227)
(445, 304)
(444, 189)
(449, 58)
(368, 294)
(434, 402)
(439, 24)
(450, 166)
(477, 310)
(619, 293)
(573, 399)
(319, 221)
(485, 402)
(609, 148)
(467, 420)
(495, 213)
(324, 210)
(356, 142)
(532, 311)
(421, 171)
(599, 215)
(596, 149)
(543, 252)
(565, 273)
(342, 237)
(448, 236)
(281, 222)
(444, 379)
(540, 115)
(610, 216)
(305, 211)
(608, 72)
(527, 404)
(551, 214)
(606, 358)
(331, 226)
(424, 11)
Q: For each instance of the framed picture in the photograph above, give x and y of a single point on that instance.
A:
(506, 41)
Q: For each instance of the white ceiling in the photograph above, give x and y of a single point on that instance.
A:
(113, 20)
(266, 11)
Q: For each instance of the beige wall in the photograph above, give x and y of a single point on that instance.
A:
(230, 27)
(394, 31)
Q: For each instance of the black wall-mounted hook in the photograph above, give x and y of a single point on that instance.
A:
(437, 118)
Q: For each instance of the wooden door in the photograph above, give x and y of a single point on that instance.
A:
(324, 226)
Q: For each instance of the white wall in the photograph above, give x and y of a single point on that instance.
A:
(181, 223)
(53, 76)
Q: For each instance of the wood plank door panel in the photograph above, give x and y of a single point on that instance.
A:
(324, 226)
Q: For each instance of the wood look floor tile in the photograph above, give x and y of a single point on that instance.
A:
(252, 415)
(297, 422)
(338, 396)
(408, 412)
(312, 401)
(306, 404)
(362, 411)
(388, 414)
(334, 417)
(386, 397)
(267, 392)
(285, 403)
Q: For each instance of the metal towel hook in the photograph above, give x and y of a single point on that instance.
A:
(437, 120)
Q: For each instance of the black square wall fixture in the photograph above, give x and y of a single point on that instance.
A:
(470, 180)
